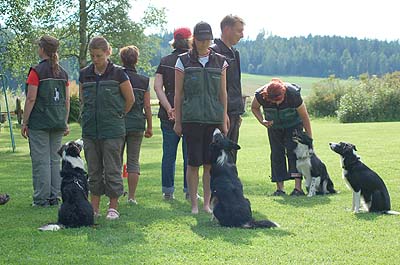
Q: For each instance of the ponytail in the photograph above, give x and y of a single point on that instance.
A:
(54, 63)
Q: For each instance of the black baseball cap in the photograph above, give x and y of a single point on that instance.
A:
(202, 31)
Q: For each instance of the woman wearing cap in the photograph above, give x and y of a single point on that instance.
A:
(200, 106)
(45, 121)
(284, 112)
(164, 85)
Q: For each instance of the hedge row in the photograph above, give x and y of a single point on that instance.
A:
(367, 99)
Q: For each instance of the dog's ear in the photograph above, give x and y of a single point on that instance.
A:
(355, 149)
(236, 146)
(61, 150)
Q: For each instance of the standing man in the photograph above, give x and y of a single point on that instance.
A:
(231, 32)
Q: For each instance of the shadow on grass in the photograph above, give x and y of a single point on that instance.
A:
(368, 216)
(303, 201)
(212, 230)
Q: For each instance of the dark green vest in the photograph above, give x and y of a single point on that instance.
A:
(49, 111)
(135, 120)
(103, 110)
(201, 87)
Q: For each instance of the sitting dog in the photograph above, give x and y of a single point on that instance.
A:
(310, 166)
(75, 210)
(228, 204)
(364, 182)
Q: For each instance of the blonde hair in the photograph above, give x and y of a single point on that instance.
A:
(99, 42)
(129, 55)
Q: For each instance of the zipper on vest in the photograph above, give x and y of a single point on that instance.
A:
(97, 102)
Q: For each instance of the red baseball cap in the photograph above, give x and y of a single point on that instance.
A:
(182, 33)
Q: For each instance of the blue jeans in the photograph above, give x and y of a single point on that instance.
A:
(170, 147)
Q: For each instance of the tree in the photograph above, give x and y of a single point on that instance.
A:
(74, 22)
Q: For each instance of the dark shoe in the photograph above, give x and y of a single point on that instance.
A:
(279, 193)
(297, 192)
(4, 198)
(37, 205)
(168, 196)
(54, 202)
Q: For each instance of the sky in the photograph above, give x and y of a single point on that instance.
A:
(368, 19)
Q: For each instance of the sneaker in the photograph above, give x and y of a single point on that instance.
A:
(297, 192)
(279, 193)
(168, 196)
(132, 201)
(112, 214)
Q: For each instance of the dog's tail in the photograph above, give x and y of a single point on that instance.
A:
(391, 212)
(260, 224)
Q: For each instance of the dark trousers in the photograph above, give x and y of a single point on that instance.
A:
(282, 146)
(233, 132)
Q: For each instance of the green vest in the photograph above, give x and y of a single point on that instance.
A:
(103, 110)
(284, 118)
(135, 120)
(49, 110)
(201, 87)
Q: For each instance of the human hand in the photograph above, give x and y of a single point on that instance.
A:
(148, 133)
(66, 131)
(171, 114)
(178, 129)
(267, 124)
(25, 131)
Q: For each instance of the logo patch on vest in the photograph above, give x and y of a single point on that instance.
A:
(56, 94)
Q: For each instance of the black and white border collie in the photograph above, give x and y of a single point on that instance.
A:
(366, 185)
(75, 210)
(317, 180)
(229, 206)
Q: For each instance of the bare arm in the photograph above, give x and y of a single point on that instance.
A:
(256, 109)
(29, 103)
(179, 76)
(127, 93)
(147, 112)
(223, 97)
(302, 111)
(158, 87)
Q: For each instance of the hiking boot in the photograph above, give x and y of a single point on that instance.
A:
(297, 192)
(279, 193)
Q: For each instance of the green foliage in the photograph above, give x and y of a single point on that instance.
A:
(374, 99)
(159, 232)
(75, 110)
(325, 97)
(318, 56)
(26, 21)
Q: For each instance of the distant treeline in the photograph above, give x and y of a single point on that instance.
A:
(317, 56)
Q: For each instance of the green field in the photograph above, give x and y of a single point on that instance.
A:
(318, 230)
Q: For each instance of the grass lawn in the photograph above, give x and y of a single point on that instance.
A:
(318, 230)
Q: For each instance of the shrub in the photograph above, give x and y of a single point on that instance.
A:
(374, 99)
(324, 98)
(75, 110)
